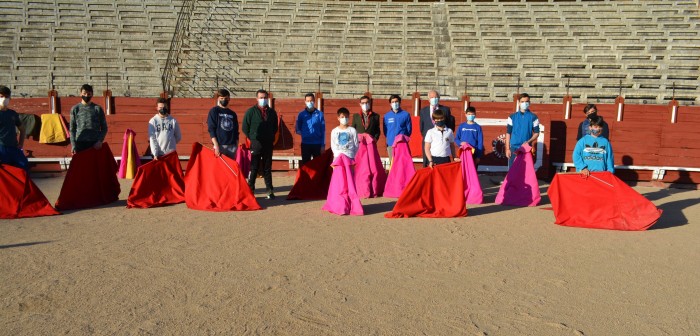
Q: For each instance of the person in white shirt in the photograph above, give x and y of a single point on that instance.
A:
(439, 141)
(344, 137)
(163, 131)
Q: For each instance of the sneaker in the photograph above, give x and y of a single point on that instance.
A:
(270, 196)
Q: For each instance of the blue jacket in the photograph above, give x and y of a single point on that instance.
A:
(396, 123)
(593, 153)
(521, 126)
(472, 135)
(311, 127)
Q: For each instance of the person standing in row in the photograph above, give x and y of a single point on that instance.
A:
(222, 124)
(260, 126)
(311, 125)
(426, 118)
(163, 131)
(396, 121)
(522, 127)
(366, 121)
(88, 124)
(11, 151)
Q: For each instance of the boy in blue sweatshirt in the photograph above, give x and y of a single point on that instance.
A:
(312, 127)
(469, 132)
(396, 121)
(593, 152)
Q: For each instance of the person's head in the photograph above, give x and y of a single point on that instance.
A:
(395, 101)
(343, 115)
(524, 102)
(5, 95)
(309, 101)
(364, 104)
(433, 97)
(470, 113)
(590, 110)
(86, 93)
(162, 107)
(262, 95)
(596, 125)
(439, 118)
(223, 97)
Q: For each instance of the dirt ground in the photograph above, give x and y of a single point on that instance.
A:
(293, 269)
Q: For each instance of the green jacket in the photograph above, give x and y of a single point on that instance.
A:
(255, 128)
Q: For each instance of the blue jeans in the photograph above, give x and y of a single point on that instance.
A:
(13, 156)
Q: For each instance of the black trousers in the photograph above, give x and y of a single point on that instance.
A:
(260, 153)
(309, 152)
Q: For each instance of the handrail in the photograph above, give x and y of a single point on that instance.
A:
(183, 22)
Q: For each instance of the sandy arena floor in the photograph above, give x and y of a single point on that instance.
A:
(293, 269)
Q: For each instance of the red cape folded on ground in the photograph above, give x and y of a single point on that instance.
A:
(20, 196)
(402, 168)
(370, 175)
(520, 187)
(434, 193)
(342, 195)
(243, 159)
(157, 183)
(313, 179)
(601, 201)
(91, 180)
(216, 184)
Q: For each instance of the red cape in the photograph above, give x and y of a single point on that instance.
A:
(600, 201)
(216, 184)
(436, 192)
(91, 180)
(20, 196)
(520, 187)
(342, 195)
(313, 179)
(157, 183)
(370, 175)
(402, 168)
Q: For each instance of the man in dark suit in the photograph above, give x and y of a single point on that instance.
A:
(426, 118)
(366, 121)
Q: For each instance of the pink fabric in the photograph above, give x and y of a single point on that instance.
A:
(370, 175)
(342, 196)
(125, 154)
(243, 159)
(520, 187)
(402, 169)
(472, 187)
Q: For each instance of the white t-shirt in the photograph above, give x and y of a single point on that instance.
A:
(440, 141)
(344, 141)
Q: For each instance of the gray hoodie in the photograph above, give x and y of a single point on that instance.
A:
(163, 134)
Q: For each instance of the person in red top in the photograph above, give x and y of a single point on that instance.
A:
(366, 121)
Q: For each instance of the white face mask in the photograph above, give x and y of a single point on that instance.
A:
(310, 105)
(344, 121)
(395, 106)
(4, 102)
(524, 106)
(365, 107)
(262, 102)
(434, 101)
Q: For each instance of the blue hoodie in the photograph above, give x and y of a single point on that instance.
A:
(396, 123)
(311, 127)
(594, 153)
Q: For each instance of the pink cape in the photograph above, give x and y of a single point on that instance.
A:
(370, 175)
(243, 159)
(520, 186)
(129, 163)
(402, 169)
(472, 187)
(342, 196)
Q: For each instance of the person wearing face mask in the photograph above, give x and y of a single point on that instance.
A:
(396, 121)
(260, 125)
(163, 131)
(469, 132)
(594, 153)
(366, 121)
(591, 111)
(439, 141)
(344, 137)
(222, 124)
(426, 118)
(521, 127)
(311, 125)
(11, 151)
(88, 125)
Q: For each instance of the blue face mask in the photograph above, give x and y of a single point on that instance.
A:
(524, 106)
(310, 105)
(262, 102)
(434, 101)
(395, 106)
(471, 117)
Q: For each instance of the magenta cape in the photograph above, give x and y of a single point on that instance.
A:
(342, 196)
(370, 176)
(243, 159)
(402, 169)
(91, 180)
(520, 187)
(216, 183)
(157, 183)
(600, 201)
(434, 193)
(129, 163)
(20, 197)
(472, 187)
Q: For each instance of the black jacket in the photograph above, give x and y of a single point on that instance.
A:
(372, 128)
